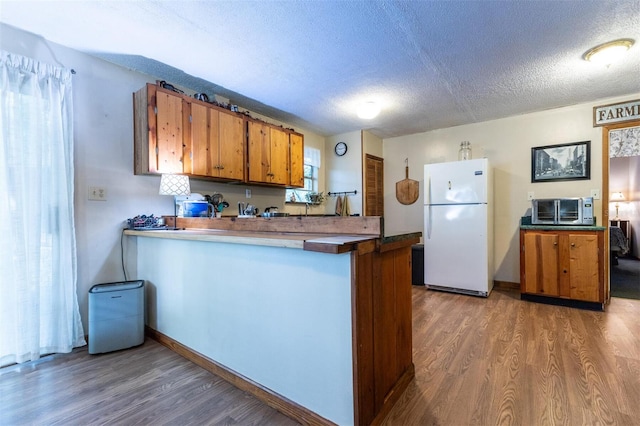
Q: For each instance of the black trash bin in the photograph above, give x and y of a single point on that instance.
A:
(417, 264)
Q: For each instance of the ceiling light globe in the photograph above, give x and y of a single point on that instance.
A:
(608, 53)
(368, 110)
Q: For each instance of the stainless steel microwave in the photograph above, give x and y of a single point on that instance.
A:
(562, 211)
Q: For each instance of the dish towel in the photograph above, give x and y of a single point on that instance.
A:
(338, 205)
(346, 211)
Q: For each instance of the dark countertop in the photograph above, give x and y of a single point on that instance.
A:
(525, 224)
(563, 227)
(387, 239)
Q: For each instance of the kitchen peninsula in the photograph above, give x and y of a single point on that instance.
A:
(310, 314)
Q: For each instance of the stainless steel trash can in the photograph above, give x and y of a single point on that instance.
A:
(116, 316)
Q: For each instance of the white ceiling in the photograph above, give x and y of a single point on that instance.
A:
(430, 64)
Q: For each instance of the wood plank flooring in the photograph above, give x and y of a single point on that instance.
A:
(146, 385)
(478, 362)
(502, 361)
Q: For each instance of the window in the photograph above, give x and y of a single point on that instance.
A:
(311, 166)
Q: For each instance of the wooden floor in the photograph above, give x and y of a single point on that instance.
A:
(502, 361)
(147, 385)
(478, 362)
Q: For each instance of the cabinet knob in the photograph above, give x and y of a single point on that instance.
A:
(555, 243)
(564, 271)
(573, 244)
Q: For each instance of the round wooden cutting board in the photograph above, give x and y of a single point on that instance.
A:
(407, 190)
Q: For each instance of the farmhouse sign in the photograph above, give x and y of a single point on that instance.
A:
(616, 113)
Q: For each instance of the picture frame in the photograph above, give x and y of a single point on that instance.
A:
(569, 161)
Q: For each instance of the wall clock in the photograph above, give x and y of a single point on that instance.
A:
(341, 149)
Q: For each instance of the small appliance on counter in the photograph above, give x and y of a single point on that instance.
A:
(194, 210)
(562, 211)
(273, 212)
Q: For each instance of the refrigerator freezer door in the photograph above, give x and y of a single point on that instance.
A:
(457, 182)
(456, 248)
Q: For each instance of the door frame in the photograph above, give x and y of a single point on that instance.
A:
(605, 197)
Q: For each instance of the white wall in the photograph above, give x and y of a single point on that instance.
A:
(507, 143)
(103, 134)
(344, 173)
(278, 316)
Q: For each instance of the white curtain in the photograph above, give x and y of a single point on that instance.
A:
(38, 303)
(312, 156)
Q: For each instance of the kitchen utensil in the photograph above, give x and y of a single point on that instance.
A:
(407, 190)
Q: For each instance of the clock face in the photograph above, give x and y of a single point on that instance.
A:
(341, 148)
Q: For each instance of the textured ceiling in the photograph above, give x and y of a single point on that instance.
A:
(430, 64)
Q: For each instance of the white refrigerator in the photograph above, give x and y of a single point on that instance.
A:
(458, 227)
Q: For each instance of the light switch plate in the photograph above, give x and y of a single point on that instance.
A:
(247, 193)
(530, 195)
(595, 193)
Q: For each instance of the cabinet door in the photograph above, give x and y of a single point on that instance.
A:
(296, 151)
(203, 138)
(541, 263)
(584, 267)
(259, 152)
(231, 139)
(279, 164)
(169, 132)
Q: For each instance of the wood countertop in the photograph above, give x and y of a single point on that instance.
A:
(328, 235)
(336, 243)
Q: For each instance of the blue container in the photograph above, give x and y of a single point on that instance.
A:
(196, 209)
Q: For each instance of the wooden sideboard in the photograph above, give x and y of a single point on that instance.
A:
(563, 266)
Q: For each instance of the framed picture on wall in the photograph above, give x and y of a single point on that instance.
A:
(569, 161)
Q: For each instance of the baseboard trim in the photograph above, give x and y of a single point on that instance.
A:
(269, 397)
(557, 301)
(506, 285)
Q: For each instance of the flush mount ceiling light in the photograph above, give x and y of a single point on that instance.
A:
(608, 53)
(368, 110)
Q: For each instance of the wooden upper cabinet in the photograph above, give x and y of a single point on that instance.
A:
(231, 149)
(296, 153)
(279, 170)
(174, 133)
(159, 122)
(268, 154)
(170, 121)
(217, 143)
(259, 152)
(276, 156)
(204, 139)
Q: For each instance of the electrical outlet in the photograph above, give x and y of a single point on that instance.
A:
(530, 195)
(247, 193)
(97, 193)
(595, 193)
